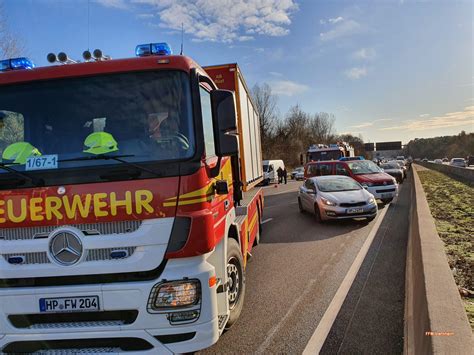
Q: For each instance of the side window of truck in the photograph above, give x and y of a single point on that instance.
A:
(207, 122)
(325, 169)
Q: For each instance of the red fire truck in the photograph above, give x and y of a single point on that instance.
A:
(128, 205)
(335, 151)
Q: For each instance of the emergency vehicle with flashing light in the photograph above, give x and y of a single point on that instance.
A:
(128, 202)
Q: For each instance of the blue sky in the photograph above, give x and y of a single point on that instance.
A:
(388, 70)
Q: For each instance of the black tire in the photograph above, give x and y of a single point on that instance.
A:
(256, 241)
(236, 285)
(370, 219)
(386, 201)
(317, 214)
(300, 205)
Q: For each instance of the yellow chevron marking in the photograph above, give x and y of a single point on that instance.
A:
(208, 190)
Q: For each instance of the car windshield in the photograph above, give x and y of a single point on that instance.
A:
(458, 160)
(146, 116)
(337, 184)
(390, 166)
(363, 167)
(265, 168)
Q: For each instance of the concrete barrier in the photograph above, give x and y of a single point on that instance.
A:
(435, 320)
(466, 174)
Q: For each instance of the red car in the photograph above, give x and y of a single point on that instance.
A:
(383, 186)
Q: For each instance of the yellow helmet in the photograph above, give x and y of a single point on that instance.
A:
(100, 143)
(20, 152)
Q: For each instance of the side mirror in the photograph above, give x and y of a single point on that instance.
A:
(312, 192)
(225, 123)
(221, 187)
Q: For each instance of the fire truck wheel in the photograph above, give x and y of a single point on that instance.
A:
(259, 230)
(236, 281)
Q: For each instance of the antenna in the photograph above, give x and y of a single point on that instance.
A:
(88, 23)
(182, 38)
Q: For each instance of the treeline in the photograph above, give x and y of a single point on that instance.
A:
(459, 146)
(288, 137)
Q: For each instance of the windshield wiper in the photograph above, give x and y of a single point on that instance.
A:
(35, 181)
(115, 158)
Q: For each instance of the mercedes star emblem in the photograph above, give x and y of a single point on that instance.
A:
(65, 248)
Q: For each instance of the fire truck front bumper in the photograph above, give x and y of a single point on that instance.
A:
(130, 316)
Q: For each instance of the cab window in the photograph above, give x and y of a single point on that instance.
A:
(207, 123)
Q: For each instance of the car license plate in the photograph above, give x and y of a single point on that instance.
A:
(386, 195)
(355, 210)
(69, 304)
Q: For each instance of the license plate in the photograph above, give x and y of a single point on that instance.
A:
(386, 195)
(355, 210)
(69, 304)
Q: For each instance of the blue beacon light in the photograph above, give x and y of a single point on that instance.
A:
(144, 50)
(16, 64)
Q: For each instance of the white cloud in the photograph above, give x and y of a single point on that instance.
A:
(372, 123)
(342, 28)
(335, 20)
(287, 87)
(423, 115)
(448, 120)
(145, 16)
(364, 54)
(274, 73)
(117, 4)
(356, 73)
(219, 20)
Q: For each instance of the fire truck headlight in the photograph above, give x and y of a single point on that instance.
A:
(175, 294)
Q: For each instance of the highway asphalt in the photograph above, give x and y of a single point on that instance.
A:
(294, 275)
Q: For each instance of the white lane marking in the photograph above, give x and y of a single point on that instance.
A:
(269, 337)
(267, 220)
(320, 334)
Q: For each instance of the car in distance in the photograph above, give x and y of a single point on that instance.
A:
(336, 197)
(470, 160)
(438, 161)
(297, 170)
(393, 169)
(299, 175)
(459, 162)
(383, 186)
(401, 166)
(445, 160)
(425, 160)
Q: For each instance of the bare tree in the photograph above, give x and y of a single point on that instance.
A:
(265, 103)
(9, 44)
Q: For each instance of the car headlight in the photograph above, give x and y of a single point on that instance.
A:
(175, 294)
(371, 201)
(368, 184)
(328, 202)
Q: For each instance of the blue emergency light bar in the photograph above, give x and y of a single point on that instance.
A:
(144, 50)
(16, 64)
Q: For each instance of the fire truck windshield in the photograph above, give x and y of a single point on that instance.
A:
(325, 155)
(145, 116)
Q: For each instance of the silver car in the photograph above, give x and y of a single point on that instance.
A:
(336, 197)
(459, 162)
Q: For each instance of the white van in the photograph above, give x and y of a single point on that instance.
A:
(270, 168)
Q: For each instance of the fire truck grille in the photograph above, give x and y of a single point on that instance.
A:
(29, 233)
(92, 255)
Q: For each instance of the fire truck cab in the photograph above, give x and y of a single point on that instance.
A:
(126, 213)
